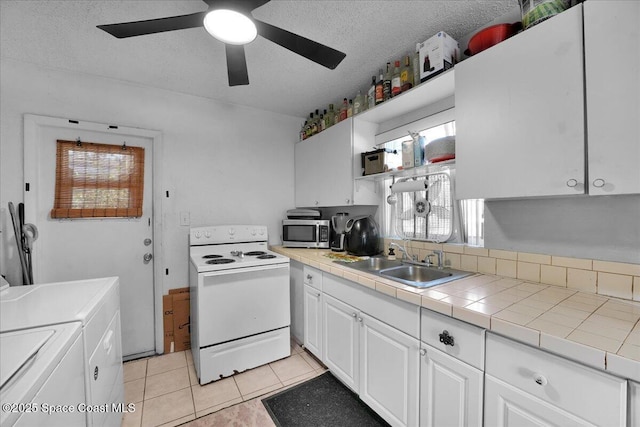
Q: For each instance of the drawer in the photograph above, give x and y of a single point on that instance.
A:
(397, 313)
(312, 277)
(592, 395)
(468, 340)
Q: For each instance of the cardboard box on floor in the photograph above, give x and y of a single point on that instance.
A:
(176, 320)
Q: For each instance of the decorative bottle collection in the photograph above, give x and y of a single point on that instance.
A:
(398, 77)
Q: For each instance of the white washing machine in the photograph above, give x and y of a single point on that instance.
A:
(95, 304)
(40, 369)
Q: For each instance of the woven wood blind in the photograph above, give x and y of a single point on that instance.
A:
(98, 180)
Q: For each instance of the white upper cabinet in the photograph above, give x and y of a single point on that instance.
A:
(325, 167)
(612, 63)
(520, 114)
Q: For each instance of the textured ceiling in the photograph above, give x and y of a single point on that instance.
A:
(62, 34)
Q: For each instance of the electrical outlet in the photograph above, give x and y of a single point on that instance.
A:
(185, 218)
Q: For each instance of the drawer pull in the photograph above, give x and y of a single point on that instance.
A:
(540, 379)
(423, 352)
(309, 277)
(446, 339)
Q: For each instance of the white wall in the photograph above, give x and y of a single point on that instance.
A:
(222, 163)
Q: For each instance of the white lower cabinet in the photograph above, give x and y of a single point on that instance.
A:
(634, 403)
(341, 341)
(450, 391)
(525, 386)
(375, 360)
(389, 372)
(451, 372)
(313, 320)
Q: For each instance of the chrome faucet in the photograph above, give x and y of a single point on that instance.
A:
(440, 256)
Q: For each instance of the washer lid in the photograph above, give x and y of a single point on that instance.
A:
(18, 349)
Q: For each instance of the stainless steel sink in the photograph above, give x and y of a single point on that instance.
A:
(419, 276)
(422, 276)
(374, 264)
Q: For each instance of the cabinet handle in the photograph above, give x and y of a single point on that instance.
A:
(309, 277)
(360, 319)
(316, 203)
(354, 315)
(347, 200)
(572, 182)
(318, 294)
(598, 183)
(423, 352)
(446, 339)
(540, 379)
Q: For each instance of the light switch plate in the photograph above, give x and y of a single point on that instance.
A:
(185, 218)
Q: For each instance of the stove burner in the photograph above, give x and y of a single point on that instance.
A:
(255, 253)
(212, 256)
(266, 256)
(220, 261)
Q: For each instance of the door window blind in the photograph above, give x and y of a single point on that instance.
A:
(98, 180)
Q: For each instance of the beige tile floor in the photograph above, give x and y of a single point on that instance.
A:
(166, 392)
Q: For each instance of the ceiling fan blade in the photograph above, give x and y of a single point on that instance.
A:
(236, 65)
(316, 52)
(152, 26)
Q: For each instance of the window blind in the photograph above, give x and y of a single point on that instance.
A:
(98, 180)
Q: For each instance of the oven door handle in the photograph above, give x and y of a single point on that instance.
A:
(242, 270)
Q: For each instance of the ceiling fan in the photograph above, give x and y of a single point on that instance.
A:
(232, 23)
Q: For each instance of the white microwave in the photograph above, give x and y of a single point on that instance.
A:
(305, 233)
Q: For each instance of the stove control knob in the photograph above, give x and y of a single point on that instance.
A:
(197, 234)
(253, 232)
(232, 231)
(262, 231)
(207, 234)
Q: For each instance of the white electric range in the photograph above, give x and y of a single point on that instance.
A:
(240, 312)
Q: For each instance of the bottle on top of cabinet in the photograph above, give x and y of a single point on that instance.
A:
(358, 103)
(406, 75)
(386, 83)
(343, 110)
(396, 86)
(380, 89)
(372, 93)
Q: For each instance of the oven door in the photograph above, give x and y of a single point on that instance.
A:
(241, 302)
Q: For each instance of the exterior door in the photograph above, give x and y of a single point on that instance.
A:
(74, 249)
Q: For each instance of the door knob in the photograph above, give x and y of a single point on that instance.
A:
(147, 257)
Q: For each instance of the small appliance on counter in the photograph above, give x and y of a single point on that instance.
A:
(338, 228)
(362, 236)
(303, 228)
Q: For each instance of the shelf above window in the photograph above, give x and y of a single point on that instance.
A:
(427, 93)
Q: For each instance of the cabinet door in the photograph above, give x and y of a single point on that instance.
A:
(634, 403)
(324, 168)
(450, 391)
(340, 345)
(313, 321)
(612, 67)
(520, 114)
(389, 367)
(507, 406)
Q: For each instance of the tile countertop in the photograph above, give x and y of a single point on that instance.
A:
(599, 331)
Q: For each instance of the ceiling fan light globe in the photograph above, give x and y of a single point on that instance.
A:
(230, 26)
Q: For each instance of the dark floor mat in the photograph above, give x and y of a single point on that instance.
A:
(321, 401)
